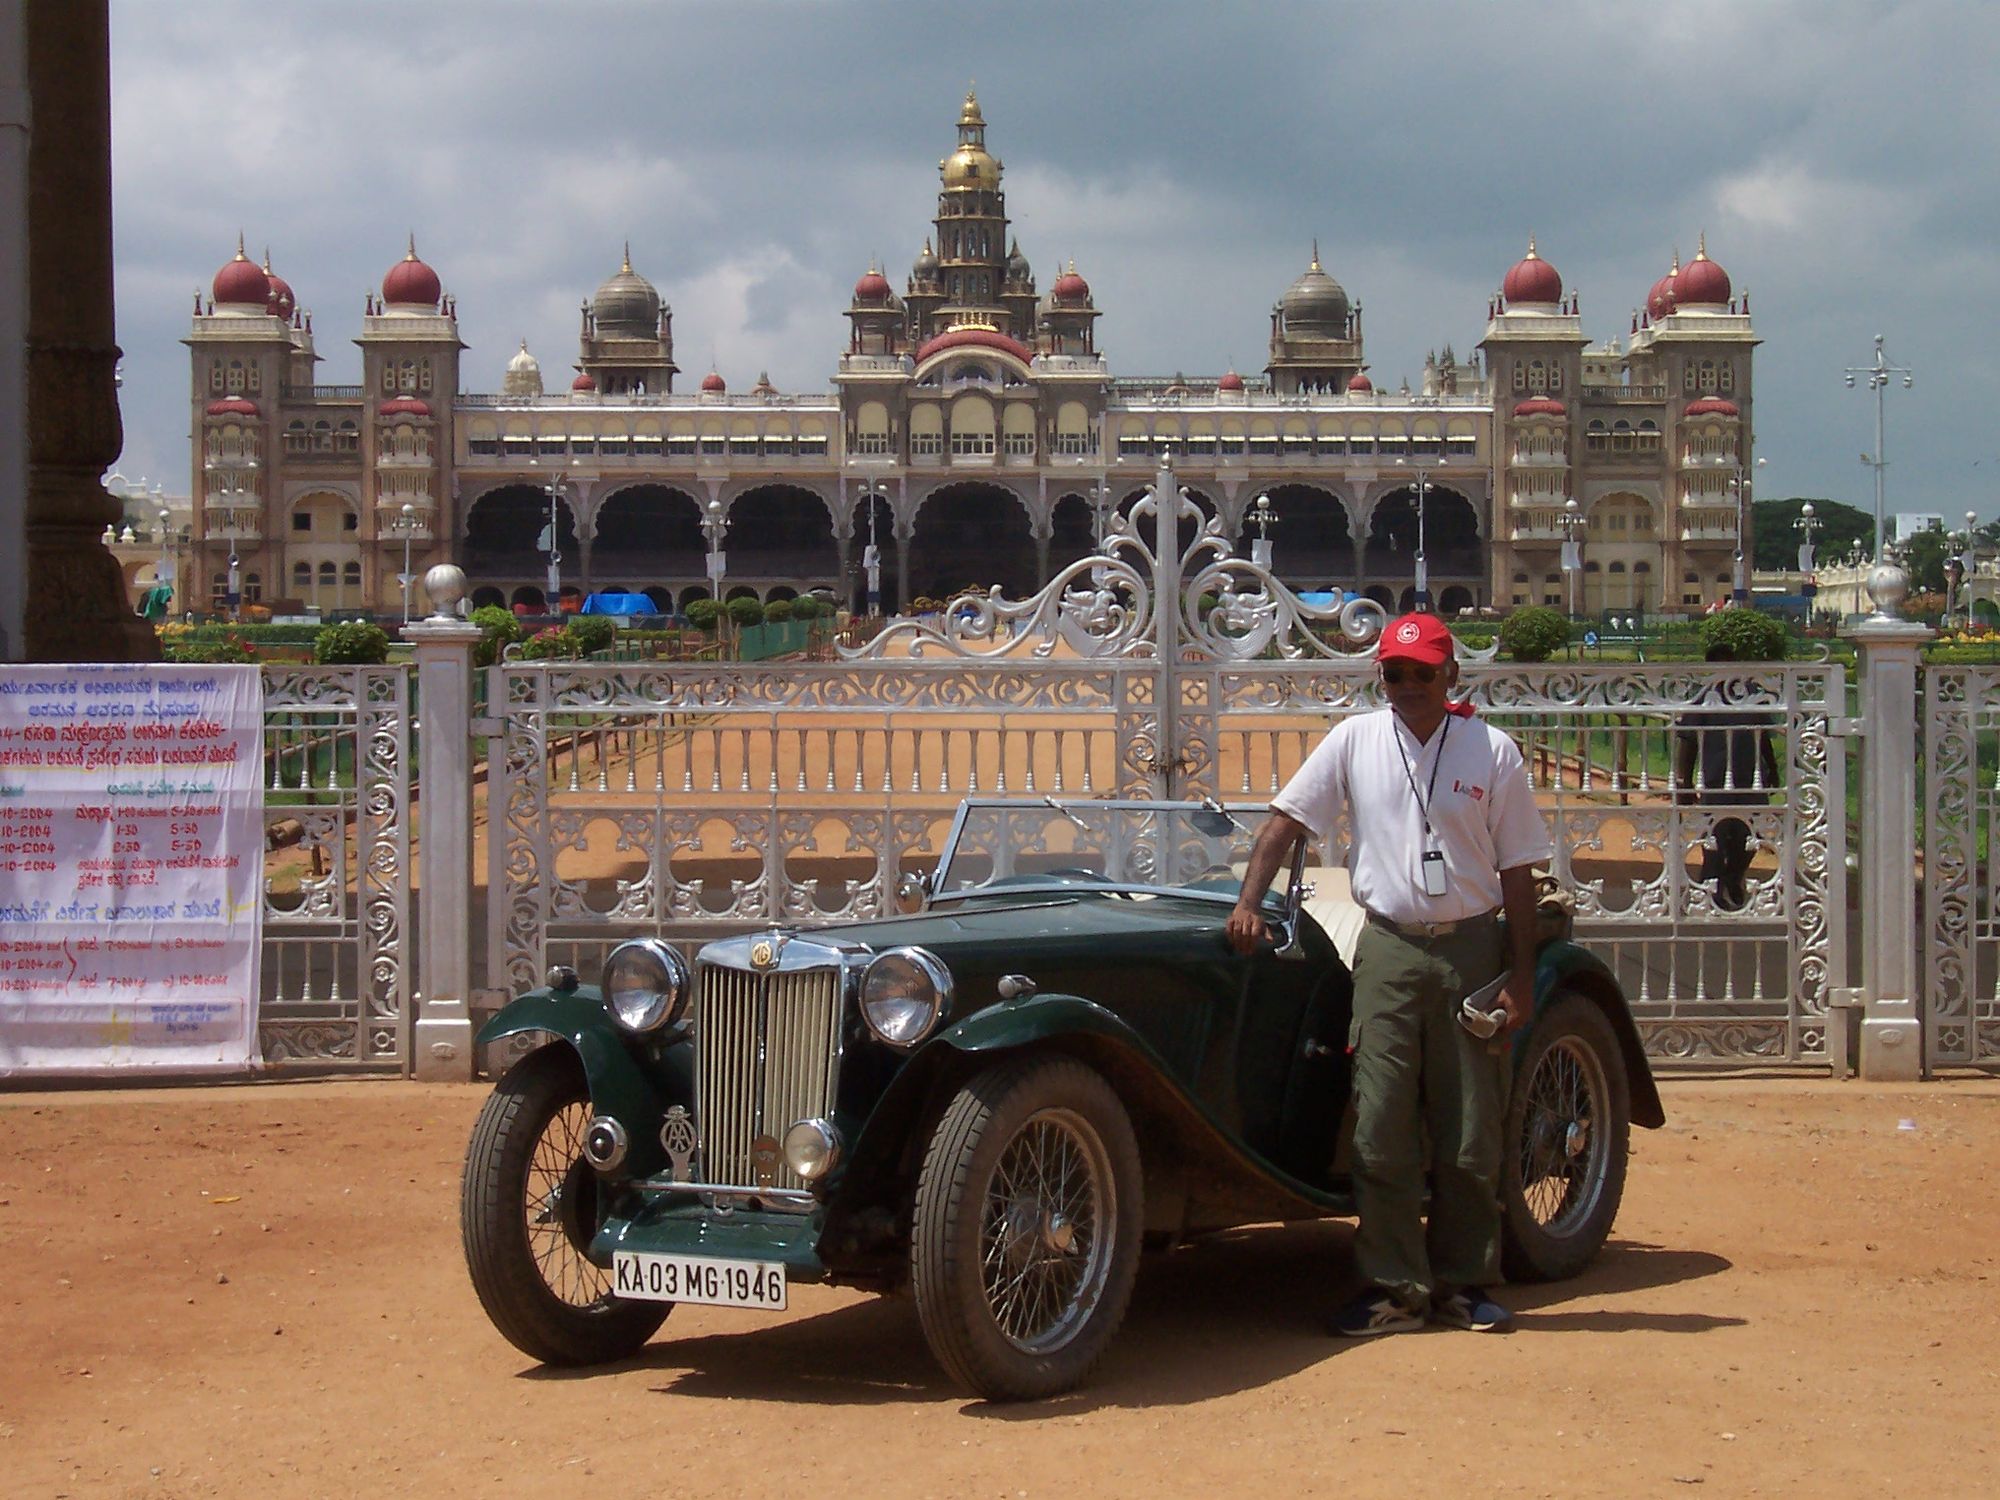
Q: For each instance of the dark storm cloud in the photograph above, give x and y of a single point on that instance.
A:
(1841, 158)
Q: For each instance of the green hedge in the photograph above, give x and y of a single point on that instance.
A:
(351, 643)
(1750, 634)
(592, 632)
(1534, 633)
(498, 629)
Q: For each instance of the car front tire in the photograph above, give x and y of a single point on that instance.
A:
(1568, 1130)
(527, 1212)
(1026, 1233)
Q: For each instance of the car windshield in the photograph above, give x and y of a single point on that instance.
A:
(1050, 841)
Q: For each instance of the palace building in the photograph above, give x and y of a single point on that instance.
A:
(974, 433)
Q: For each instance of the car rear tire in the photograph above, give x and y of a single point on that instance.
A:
(1568, 1129)
(527, 1212)
(1027, 1228)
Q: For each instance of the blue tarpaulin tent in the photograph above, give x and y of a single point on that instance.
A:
(619, 604)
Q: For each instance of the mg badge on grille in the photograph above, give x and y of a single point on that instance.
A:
(763, 953)
(764, 1158)
(678, 1139)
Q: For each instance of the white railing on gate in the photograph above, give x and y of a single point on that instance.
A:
(336, 985)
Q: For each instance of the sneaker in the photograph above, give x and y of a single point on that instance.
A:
(1371, 1311)
(1470, 1307)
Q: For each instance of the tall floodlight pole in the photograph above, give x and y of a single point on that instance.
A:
(1265, 518)
(871, 555)
(714, 526)
(1878, 375)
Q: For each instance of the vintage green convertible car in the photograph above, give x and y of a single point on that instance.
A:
(995, 1100)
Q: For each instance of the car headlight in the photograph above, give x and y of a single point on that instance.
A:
(903, 993)
(645, 985)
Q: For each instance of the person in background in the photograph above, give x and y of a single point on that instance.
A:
(1444, 837)
(1724, 758)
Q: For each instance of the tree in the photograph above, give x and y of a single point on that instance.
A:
(1776, 549)
(1924, 555)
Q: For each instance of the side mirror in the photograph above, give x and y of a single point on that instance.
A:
(912, 891)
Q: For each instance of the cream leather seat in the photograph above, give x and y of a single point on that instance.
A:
(1333, 906)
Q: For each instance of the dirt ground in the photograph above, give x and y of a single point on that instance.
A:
(258, 1290)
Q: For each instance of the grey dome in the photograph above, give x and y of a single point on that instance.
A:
(1315, 303)
(627, 304)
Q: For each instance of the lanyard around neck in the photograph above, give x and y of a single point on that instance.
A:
(1423, 799)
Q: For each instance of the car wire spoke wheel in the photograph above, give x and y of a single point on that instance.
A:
(1024, 1237)
(529, 1207)
(560, 1207)
(1569, 1121)
(1045, 1257)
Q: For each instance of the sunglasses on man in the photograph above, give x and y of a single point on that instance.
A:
(1393, 673)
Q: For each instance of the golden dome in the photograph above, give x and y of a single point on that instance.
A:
(970, 115)
(970, 167)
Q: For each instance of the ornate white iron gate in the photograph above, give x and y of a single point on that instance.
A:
(1961, 915)
(697, 800)
(336, 977)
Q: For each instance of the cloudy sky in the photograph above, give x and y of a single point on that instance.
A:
(1843, 159)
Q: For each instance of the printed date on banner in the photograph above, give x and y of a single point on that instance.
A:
(699, 1278)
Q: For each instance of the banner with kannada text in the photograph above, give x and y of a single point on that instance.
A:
(131, 867)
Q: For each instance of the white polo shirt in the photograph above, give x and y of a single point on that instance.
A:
(1482, 812)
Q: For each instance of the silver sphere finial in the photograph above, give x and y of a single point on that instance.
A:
(445, 583)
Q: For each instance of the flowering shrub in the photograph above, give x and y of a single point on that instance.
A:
(211, 650)
(555, 643)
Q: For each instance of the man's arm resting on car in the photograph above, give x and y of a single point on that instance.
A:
(1246, 927)
(1517, 900)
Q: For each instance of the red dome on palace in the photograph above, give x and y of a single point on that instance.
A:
(713, 383)
(232, 406)
(975, 338)
(1660, 300)
(1538, 406)
(1230, 382)
(583, 382)
(242, 283)
(1701, 283)
(404, 406)
(872, 288)
(1070, 287)
(1712, 406)
(1532, 280)
(411, 283)
(1360, 384)
(279, 301)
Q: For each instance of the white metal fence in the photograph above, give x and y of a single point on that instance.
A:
(336, 981)
(1961, 916)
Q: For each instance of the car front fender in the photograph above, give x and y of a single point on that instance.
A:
(1564, 965)
(623, 1083)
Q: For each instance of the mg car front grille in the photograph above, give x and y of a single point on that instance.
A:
(767, 1050)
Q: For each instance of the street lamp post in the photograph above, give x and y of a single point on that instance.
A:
(1878, 381)
(713, 527)
(1958, 571)
(871, 553)
(1265, 518)
(552, 543)
(1807, 525)
(1739, 488)
(1423, 572)
(409, 530)
(163, 570)
(1572, 552)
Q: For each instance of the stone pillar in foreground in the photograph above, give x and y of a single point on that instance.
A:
(76, 607)
(442, 1051)
(1889, 653)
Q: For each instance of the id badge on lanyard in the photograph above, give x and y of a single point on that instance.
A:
(1433, 872)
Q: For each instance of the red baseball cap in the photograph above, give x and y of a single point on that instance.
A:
(1416, 637)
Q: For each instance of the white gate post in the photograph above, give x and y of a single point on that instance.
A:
(444, 645)
(1889, 652)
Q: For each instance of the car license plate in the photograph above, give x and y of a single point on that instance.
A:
(698, 1278)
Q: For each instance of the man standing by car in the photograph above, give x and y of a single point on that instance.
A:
(1444, 833)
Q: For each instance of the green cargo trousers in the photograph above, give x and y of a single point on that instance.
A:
(1418, 1073)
